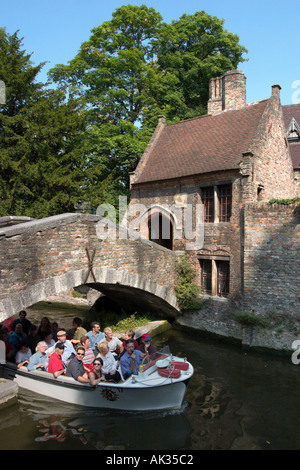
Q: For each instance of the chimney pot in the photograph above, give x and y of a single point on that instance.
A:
(276, 90)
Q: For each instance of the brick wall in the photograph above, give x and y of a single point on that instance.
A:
(267, 166)
(219, 238)
(271, 259)
(227, 92)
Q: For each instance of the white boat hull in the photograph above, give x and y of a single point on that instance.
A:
(139, 393)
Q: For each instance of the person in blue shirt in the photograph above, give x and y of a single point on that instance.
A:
(130, 360)
(16, 338)
(39, 360)
(95, 336)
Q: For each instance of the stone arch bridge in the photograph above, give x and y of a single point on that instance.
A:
(44, 257)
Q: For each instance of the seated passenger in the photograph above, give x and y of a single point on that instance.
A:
(16, 338)
(109, 368)
(89, 356)
(33, 338)
(68, 351)
(95, 375)
(23, 321)
(146, 346)
(44, 329)
(78, 332)
(95, 336)
(23, 355)
(129, 334)
(9, 351)
(55, 362)
(114, 344)
(75, 367)
(130, 360)
(39, 360)
(49, 341)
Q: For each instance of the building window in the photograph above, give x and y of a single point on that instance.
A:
(206, 276)
(160, 230)
(215, 276)
(208, 202)
(225, 198)
(222, 278)
(217, 202)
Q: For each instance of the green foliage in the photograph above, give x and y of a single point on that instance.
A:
(41, 166)
(187, 291)
(120, 321)
(194, 49)
(247, 318)
(134, 68)
(285, 201)
(77, 144)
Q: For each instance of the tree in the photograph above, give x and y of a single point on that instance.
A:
(197, 48)
(114, 72)
(136, 67)
(42, 169)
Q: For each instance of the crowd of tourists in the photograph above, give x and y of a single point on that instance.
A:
(87, 356)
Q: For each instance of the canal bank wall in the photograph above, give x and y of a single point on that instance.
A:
(249, 331)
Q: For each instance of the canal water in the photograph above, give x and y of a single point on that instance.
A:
(236, 400)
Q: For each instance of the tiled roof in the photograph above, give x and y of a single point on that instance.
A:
(201, 145)
(289, 112)
(295, 154)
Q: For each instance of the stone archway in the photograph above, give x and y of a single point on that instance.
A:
(106, 280)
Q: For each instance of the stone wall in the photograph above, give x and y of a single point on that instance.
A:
(222, 238)
(271, 297)
(271, 259)
(45, 257)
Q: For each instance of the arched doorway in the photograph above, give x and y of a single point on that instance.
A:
(160, 229)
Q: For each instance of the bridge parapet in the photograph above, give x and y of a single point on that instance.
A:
(47, 256)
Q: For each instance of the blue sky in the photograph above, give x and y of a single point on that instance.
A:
(54, 30)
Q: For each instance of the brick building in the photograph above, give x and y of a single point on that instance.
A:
(238, 154)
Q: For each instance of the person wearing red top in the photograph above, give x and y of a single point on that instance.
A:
(55, 362)
(129, 334)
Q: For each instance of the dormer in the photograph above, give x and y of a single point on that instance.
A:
(293, 131)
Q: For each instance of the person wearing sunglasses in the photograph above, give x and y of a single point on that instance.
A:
(95, 375)
(75, 367)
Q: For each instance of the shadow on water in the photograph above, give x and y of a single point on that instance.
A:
(58, 425)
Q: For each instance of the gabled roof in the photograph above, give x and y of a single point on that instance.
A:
(292, 112)
(201, 145)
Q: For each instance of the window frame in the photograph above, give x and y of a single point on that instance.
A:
(219, 203)
(216, 276)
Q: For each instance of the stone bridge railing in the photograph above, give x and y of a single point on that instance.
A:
(44, 257)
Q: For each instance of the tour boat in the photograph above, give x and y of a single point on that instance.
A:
(159, 385)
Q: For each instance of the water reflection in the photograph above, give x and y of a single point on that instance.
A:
(60, 423)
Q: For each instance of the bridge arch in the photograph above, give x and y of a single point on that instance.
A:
(56, 259)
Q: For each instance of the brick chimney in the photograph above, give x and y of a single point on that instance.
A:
(227, 92)
(276, 90)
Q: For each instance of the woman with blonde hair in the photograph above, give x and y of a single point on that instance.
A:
(39, 360)
(109, 368)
